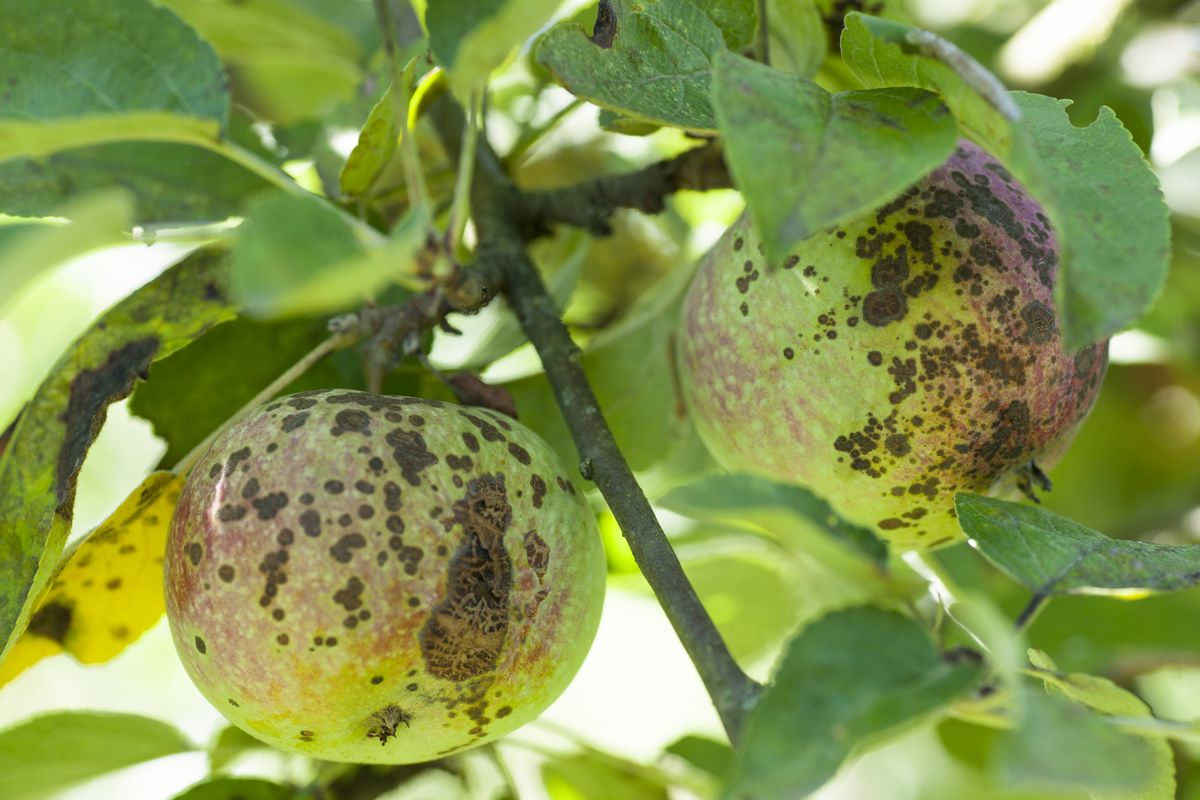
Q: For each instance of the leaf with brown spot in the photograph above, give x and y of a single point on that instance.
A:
(107, 589)
(41, 462)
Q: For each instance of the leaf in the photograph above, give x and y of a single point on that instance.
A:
(299, 255)
(1106, 697)
(169, 182)
(789, 511)
(1052, 555)
(375, 147)
(40, 465)
(1061, 745)
(67, 87)
(473, 37)
(54, 751)
(587, 777)
(651, 60)
(231, 743)
(797, 42)
(851, 677)
(192, 392)
(879, 52)
(285, 63)
(1106, 206)
(237, 789)
(737, 19)
(806, 159)
(108, 588)
(94, 221)
(709, 755)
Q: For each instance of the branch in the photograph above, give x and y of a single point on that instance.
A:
(501, 217)
(591, 204)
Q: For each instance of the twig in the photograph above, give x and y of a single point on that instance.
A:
(591, 204)
(500, 216)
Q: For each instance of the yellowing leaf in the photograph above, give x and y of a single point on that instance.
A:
(108, 587)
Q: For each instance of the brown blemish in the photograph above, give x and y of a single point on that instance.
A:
(466, 629)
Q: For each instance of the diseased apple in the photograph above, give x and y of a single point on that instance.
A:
(381, 579)
(893, 361)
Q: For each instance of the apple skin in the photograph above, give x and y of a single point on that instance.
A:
(893, 361)
(381, 579)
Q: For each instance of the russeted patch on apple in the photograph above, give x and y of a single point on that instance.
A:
(381, 579)
(893, 361)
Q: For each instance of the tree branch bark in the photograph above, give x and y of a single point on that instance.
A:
(502, 222)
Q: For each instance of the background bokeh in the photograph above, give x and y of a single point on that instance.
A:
(1134, 471)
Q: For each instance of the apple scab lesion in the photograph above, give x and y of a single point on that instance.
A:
(386, 722)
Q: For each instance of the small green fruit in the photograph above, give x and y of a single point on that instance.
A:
(893, 361)
(381, 579)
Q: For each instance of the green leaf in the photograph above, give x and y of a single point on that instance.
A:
(1052, 555)
(237, 789)
(806, 159)
(657, 66)
(791, 512)
(104, 70)
(1106, 697)
(737, 19)
(1106, 206)
(473, 37)
(588, 777)
(40, 465)
(797, 42)
(94, 221)
(285, 63)
(230, 743)
(1062, 745)
(192, 392)
(54, 751)
(709, 755)
(376, 144)
(849, 678)
(299, 255)
(879, 52)
(169, 182)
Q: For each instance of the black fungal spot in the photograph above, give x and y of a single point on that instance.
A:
(225, 573)
(51, 621)
(883, 306)
(351, 420)
(334, 487)
(471, 442)
(1039, 322)
(410, 454)
(293, 421)
(519, 453)
(342, 551)
(267, 507)
(310, 521)
(195, 552)
(231, 513)
(201, 647)
(250, 490)
(538, 485)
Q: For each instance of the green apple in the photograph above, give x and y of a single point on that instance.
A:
(381, 579)
(895, 360)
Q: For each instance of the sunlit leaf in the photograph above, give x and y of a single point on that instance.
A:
(54, 751)
(847, 679)
(375, 146)
(473, 37)
(285, 63)
(237, 789)
(94, 221)
(300, 255)
(108, 590)
(806, 159)
(39, 467)
(589, 777)
(797, 36)
(168, 182)
(715, 758)
(67, 87)
(1052, 555)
